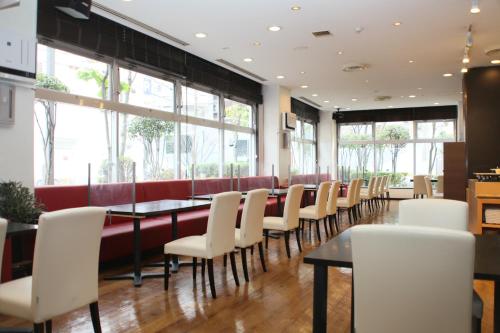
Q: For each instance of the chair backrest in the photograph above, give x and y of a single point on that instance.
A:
(357, 198)
(428, 187)
(419, 185)
(292, 205)
(331, 206)
(449, 214)
(351, 192)
(3, 232)
(382, 185)
(66, 261)
(371, 184)
(387, 183)
(440, 184)
(222, 223)
(252, 217)
(422, 284)
(322, 198)
(376, 188)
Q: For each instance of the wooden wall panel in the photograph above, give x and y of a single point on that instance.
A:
(455, 173)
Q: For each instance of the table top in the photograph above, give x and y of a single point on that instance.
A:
(277, 191)
(153, 208)
(337, 252)
(211, 196)
(15, 228)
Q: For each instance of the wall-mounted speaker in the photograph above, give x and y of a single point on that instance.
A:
(79, 9)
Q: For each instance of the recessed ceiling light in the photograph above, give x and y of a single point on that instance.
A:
(495, 61)
(402, 96)
(347, 108)
(436, 103)
(279, 77)
(247, 59)
(304, 86)
(464, 70)
(447, 74)
(390, 106)
(396, 24)
(326, 101)
(336, 106)
(366, 81)
(295, 8)
(200, 35)
(354, 99)
(475, 7)
(411, 61)
(340, 53)
(302, 72)
(257, 44)
(419, 88)
(412, 96)
(274, 28)
(314, 95)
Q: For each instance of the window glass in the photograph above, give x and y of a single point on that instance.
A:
(237, 113)
(444, 130)
(355, 160)
(429, 158)
(395, 159)
(200, 146)
(146, 91)
(394, 131)
(308, 131)
(356, 132)
(303, 151)
(64, 147)
(67, 72)
(200, 104)
(237, 151)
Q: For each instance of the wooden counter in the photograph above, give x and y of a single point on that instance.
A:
(478, 195)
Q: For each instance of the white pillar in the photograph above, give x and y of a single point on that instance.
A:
(327, 143)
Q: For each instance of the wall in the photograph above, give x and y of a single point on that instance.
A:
(326, 142)
(482, 118)
(16, 141)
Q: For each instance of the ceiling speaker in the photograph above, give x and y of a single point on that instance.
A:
(79, 9)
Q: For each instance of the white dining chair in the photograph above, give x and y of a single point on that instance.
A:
(425, 287)
(219, 239)
(3, 233)
(65, 269)
(251, 227)
(347, 203)
(367, 195)
(381, 192)
(440, 184)
(386, 188)
(357, 199)
(419, 188)
(376, 190)
(331, 206)
(290, 219)
(317, 212)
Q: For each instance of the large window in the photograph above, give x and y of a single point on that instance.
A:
(399, 149)
(163, 126)
(303, 148)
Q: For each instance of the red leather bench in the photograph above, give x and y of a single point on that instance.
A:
(156, 231)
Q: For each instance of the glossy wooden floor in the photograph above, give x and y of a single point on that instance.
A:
(277, 301)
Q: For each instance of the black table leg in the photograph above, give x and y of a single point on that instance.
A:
(320, 298)
(175, 259)
(496, 307)
(137, 274)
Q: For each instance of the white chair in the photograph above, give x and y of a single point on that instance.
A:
(422, 284)
(3, 233)
(376, 190)
(290, 219)
(381, 191)
(317, 212)
(419, 188)
(331, 205)
(219, 239)
(440, 184)
(347, 203)
(367, 195)
(251, 227)
(386, 187)
(357, 199)
(65, 269)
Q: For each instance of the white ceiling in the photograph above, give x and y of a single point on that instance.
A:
(432, 33)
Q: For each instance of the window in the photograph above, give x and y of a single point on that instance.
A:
(141, 124)
(399, 149)
(303, 148)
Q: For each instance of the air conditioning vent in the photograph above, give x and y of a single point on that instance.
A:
(323, 33)
(349, 68)
(493, 52)
(382, 98)
(242, 70)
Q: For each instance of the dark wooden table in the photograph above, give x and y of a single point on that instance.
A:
(148, 209)
(337, 253)
(16, 229)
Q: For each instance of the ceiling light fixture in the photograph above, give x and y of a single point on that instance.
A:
(419, 88)
(336, 106)
(279, 77)
(257, 44)
(475, 7)
(354, 99)
(295, 8)
(390, 106)
(247, 59)
(340, 53)
(396, 24)
(436, 103)
(411, 61)
(314, 95)
(464, 70)
(302, 72)
(274, 28)
(412, 96)
(304, 86)
(447, 75)
(200, 35)
(495, 61)
(326, 101)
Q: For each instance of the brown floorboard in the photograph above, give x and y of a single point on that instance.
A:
(277, 301)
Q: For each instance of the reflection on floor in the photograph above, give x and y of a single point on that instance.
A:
(277, 301)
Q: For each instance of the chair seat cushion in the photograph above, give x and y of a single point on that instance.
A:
(309, 212)
(366, 196)
(275, 223)
(15, 298)
(192, 246)
(343, 203)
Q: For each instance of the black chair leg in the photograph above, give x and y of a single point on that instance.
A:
(203, 262)
(266, 233)
(244, 263)
(298, 239)
(325, 222)
(287, 243)
(210, 264)
(349, 215)
(195, 263)
(261, 255)
(94, 314)
(233, 268)
(166, 265)
(38, 328)
(225, 260)
(48, 326)
(317, 230)
(336, 222)
(251, 250)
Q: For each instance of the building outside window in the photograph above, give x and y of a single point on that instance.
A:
(303, 148)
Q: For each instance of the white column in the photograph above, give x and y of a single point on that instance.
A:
(327, 143)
